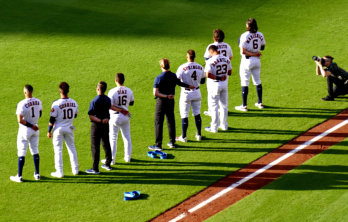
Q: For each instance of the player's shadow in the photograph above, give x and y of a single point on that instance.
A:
(286, 112)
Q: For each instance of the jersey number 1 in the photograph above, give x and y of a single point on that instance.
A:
(32, 112)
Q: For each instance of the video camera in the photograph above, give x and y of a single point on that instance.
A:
(321, 60)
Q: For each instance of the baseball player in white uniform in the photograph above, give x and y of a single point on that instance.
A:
(121, 98)
(28, 112)
(217, 70)
(223, 48)
(250, 44)
(63, 113)
(190, 73)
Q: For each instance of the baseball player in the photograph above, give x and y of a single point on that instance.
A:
(121, 98)
(190, 73)
(223, 48)
(63, 113)
(250, 44)
(28, 112)
(217, 70)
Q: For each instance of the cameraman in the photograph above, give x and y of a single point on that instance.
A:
(334, 74)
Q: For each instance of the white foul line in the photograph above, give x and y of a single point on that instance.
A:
(259, 171)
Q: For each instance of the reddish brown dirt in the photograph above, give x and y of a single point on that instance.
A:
(262, 179)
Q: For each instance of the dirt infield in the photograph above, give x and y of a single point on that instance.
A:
(259, 173)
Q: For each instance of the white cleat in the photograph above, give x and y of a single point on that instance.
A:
(37, 176)
(208, 129)
(103, 161)
(259, 105)
(181, 139)
(241, 108)
(223, 128)
(57, 175)
(127, 160)
(198, 137)
(16, 179)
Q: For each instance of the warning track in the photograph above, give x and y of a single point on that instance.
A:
(259, 173)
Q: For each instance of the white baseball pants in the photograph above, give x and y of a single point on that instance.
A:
(251, 66)
(27, 136)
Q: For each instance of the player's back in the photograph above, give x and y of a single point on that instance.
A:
(30, 109)
(64, 110)
(190, 73)
(120, 97)
(252, 41)
(223, 48)
(218, 65)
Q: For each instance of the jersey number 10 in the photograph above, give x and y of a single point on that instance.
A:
(68, 113)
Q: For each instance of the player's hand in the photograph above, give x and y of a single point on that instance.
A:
(124, 112)
(34, 127)
(105, 121)
(170, 96)
(192, 87)
(258, 54)
(49, 135)
(223, 78)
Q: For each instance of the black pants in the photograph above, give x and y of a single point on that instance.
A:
(99, 132)
(164, 107)
(336, 87)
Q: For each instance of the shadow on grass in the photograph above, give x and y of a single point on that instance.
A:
(287, 112)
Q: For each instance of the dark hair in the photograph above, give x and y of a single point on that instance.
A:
(252, 25)
(329, 57)
(165, 63)
(102, 86)
(120, 78)
(213, 48)
(218, 35)
(64, 86)
(29, 88)
(192, 54)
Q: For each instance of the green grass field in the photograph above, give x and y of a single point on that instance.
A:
(82, 42)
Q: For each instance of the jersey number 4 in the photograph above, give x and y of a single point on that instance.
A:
(194, 75)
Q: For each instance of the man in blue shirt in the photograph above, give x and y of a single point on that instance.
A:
(164, 91)
(99, 115)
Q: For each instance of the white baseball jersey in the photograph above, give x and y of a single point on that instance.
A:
(64, 110)
(121, 97)
(252, 42)
(190, 73)
(218, 65)
(30, 110)
(223, 48)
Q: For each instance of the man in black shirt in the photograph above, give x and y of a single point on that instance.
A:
(164, 91)
(99, 115)
(335, 75)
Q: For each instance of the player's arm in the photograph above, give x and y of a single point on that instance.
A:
(262, 47)
(202, 80)
(25, 123)
(182, 84)
(118, 109)
(160, 95)
(212, 76)
(248, 53)
(131, 103)
(50, 126)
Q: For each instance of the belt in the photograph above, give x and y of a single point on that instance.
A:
(116, 112)
(247, 57)
(188, 89)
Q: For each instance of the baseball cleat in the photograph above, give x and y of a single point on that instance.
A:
(37, 176)
(259, 105)
(57, 175)
(75, 173)
(127, 160)
(106, 167)
(198, 137)
(181, 139)
(328, 98)
(103, 161)
(16, 179)
(170, 145)
(208, 129)
(91, 171)
(206, 113)
(223, 128)
(241, 108)
(154, 147)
